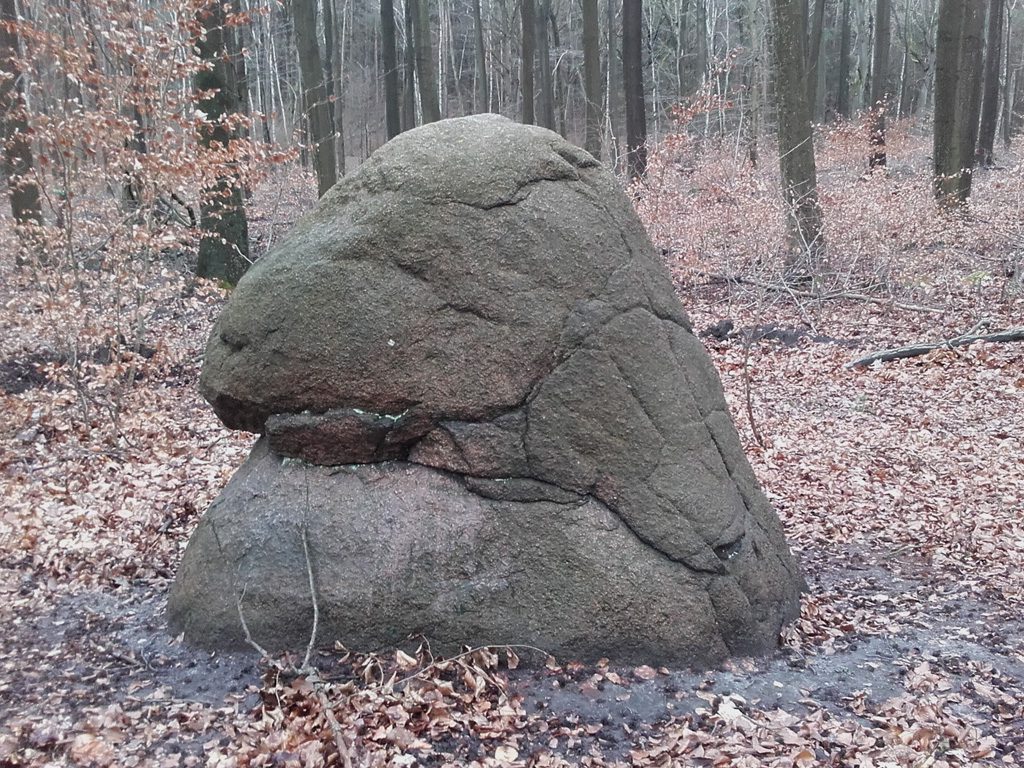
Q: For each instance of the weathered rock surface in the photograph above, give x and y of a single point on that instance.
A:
(486, 412)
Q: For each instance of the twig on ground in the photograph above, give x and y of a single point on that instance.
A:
(795, 296)
(306, 670)
(340, 742)
(913, 350)
(793, 292)
(124, 658)
(748, 395)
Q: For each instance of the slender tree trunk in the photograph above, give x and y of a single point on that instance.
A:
(21, 184)
(926, 91)
(483, 99)
(443, 44)
(592, 77)
(862, 94)
(633, 82)
(264, 86)
(333, 52)
(843, 99)
(880, 82)
(903, 106)
(314, 91)
(224, 248)
(747, 25)
(1006, 119)
(392, 113)
(680, 10)
(612, 84)
(529, 30)
(409, 70)
(702, 52)
(547, 104)
(796, 142)
(560, 78)
(990, 99)
(814, 57)
(240, 40)
(425, 65)
(275, 77)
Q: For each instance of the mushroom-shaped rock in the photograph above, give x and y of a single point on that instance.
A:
(486, 420)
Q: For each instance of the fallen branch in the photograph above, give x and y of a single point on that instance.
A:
(971, 336)
(748, 395)
(793, 292)
(306, 670)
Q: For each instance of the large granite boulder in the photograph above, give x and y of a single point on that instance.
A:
(486, 419)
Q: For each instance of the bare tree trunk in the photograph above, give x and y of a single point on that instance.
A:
(957, 78)
(702, 53)
(561, 76)
(409, 93)
(990, 99)
(443, 44)
(592, 77)
(392, 114)
(814, 57)
(947, 73)
(969, 94)
(240, 39)
(612, 85)
(425, 66)
(880, 83)
(1006, 119)
(21, 184)
(861, 93)
(633, 87)
(903, 105)
(796, 142)
(751, 114)
(926, 59)
(263, 91)
(843, 100)
(314, 91)
(224, 248)
(275, 76)
(482, 96)
(527, 13)
(343, 27)
(547, 104)
(333, 68)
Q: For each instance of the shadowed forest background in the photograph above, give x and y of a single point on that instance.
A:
(826, 180)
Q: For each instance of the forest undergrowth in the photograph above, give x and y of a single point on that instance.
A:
(900, 484)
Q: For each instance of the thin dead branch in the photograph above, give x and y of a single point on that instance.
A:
(306, 670)
(748, 395)
(831, 295)
(312, 591)
(248, 635)
(923, 348)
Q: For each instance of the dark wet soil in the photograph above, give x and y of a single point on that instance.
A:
(94, 648)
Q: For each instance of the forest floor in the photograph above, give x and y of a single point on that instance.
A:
(901, 486)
